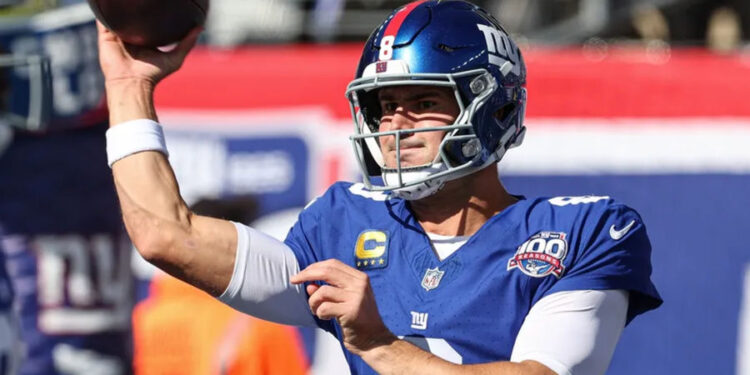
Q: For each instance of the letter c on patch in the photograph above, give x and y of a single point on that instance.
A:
(371, 244)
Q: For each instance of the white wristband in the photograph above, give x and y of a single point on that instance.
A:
(132, 137)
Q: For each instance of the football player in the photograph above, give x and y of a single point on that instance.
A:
(66, 250)
(429, 265)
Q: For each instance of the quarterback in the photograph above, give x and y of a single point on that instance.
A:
(429, 265)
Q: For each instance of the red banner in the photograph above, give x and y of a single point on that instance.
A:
(562, 82)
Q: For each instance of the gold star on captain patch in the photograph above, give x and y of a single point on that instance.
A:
(359, 264)
(381, 261)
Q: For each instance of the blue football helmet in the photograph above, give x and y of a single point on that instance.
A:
(451, 44)
(49, 70)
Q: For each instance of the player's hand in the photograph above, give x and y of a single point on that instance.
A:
(126, 62)
(348, 298)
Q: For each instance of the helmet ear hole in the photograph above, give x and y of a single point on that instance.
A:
(502, 114)
(370, 107)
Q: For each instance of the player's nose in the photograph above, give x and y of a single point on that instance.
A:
(401, 120)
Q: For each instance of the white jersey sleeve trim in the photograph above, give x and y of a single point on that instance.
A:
(573, 332)
(260, 281)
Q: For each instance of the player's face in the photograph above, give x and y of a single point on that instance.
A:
(415, 107)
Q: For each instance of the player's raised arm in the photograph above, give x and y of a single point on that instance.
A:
(199, 250)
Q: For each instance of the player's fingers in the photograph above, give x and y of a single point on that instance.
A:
(105, 35)
(110, 45)
(101, 28)
(321, 272)
(326, 295)
(329, 310)
(343, 267)
(311, 288)
(356, 280)
(332, 272)
(187, 43)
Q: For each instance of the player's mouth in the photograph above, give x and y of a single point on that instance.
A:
(410, 154)
(405, 145)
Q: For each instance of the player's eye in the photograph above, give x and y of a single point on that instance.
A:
(426, 104)
(388, 107)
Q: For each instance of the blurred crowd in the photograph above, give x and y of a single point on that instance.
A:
(721, 25)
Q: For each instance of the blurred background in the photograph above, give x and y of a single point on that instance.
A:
(645, 101)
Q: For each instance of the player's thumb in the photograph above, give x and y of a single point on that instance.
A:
(186, 44)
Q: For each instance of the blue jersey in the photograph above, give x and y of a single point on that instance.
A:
(67, 253)
(469, 307)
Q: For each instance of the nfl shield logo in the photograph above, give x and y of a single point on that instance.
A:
(381, 67)
(431, 278)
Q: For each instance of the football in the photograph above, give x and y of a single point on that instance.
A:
(150, 23)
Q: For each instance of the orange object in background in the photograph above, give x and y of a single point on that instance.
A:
(180, 330)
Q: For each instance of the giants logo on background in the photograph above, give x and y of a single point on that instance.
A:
(541, 255)
(501, 51)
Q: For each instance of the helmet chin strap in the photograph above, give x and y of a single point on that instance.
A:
(416, 191)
